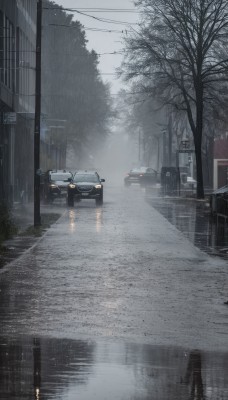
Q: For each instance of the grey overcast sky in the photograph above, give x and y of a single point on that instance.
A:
(105, 42)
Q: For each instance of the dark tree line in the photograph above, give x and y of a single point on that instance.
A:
(180, 55)
(72, 88)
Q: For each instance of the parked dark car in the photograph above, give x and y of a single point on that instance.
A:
(219, 202)
(85, 185)
(143, 175)
(54, 184)
(148, 177)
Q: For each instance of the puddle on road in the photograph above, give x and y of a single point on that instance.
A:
(34, 368)
(195, 222)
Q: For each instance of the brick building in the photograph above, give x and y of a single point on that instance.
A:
(220, 162)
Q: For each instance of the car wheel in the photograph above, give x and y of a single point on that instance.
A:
(126, 184)
(99, 201)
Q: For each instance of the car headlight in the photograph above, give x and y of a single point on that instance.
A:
(72, 186)
(53, 185)
(98, 186)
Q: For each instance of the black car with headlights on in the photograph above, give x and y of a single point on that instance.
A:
(54, 184)
(85, 185)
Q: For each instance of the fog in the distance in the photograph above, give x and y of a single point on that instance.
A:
(112, 159)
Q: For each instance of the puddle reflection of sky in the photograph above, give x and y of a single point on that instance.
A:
(64, 369)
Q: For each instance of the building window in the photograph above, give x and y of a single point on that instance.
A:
(7, 55)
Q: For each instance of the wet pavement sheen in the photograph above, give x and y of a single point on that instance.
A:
(115, 303)
(33, 368)
(193, 219)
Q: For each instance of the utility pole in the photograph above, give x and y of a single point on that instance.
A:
(37, 219)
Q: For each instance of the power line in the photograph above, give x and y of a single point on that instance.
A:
(58, 71)
(65, 73)
(60, 52)
(86, 56)
(107, 10)
(106, 20)
(88, 29)
(95, 9)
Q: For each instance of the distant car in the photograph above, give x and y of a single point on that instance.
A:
(133, 176)
(85, 185)
(143, 175)
(148, 177)
(54, 184)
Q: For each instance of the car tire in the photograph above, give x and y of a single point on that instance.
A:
(99, 201)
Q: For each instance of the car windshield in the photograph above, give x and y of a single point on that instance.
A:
(86, 178)
(60, 177)
(138, 170)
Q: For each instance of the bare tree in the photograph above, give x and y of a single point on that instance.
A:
(181, 49)
(72, 88)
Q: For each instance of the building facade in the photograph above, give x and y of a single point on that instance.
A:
(17, 98)
(8, 17)
(220, 162)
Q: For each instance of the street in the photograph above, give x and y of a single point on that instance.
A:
(114, 302)
(113, 200)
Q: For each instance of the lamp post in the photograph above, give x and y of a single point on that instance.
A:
(37, 219)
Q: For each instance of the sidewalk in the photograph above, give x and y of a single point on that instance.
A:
(23, 217)
(193, 218)
(23, 214)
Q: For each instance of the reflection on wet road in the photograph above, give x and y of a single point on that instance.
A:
(193, 219)
(112, 303)
(39, 368)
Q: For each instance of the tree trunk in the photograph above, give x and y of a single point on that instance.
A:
(199, 170)
(198, 138)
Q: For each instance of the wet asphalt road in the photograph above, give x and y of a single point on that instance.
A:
(114, 303)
